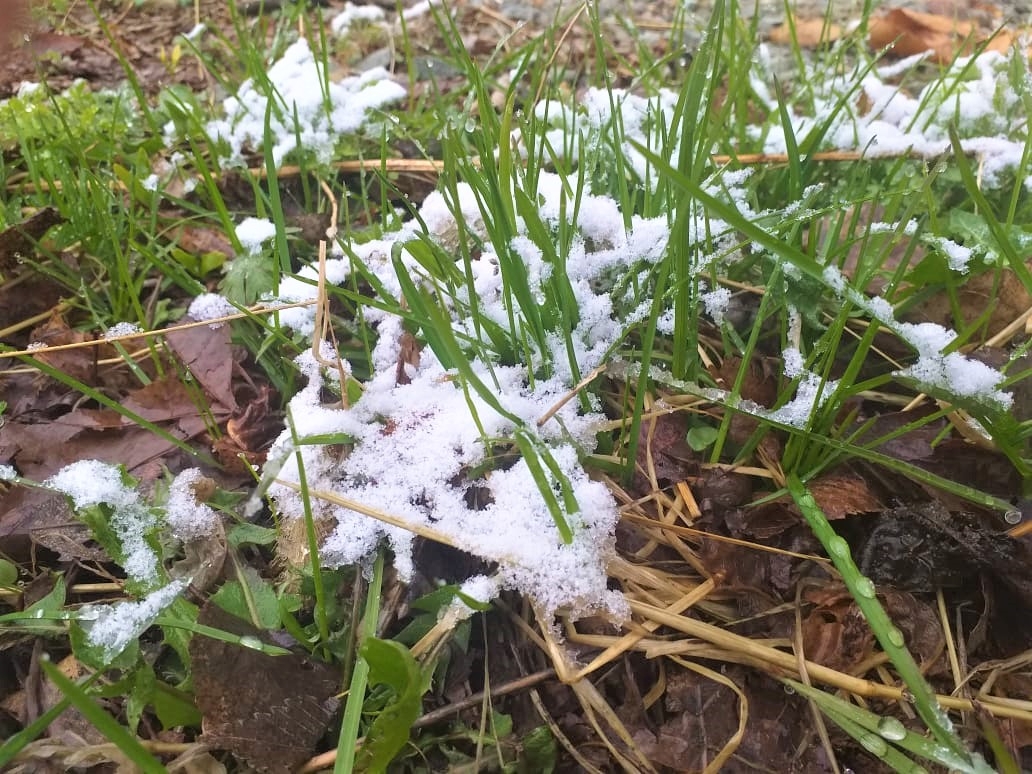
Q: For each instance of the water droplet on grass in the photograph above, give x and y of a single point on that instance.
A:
(252, 642)
(838, 547)
(895, 636)
(890, 728)
(874, 744)
(1012, 517)
(865, 588)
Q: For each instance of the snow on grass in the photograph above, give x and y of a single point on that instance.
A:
(935, 369)
(416, 444)
(254, 232)
(210, 306)
(91, 483)
(113, 627)
(356, 14)
(303, 114)
(977, 96)
(187, 518)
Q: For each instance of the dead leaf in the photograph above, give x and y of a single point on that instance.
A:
(836, 634)
(80, 364)
(664, 457)
(907, 33)
(999, 291)
(805, 32)
(19, 241)
(408, 358)
(208, 353)
(269, 711)
(249, 433)
(843, 494)
(703, 717)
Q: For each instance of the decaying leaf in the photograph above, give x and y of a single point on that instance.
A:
(269, 711)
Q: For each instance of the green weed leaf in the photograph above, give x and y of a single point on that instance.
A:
(392, 664)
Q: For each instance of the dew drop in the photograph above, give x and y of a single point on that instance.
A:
(471, 124)
(789, 690)
(890, 728)
(252, 642)
(838, 547)
(1012, 517)
(895, 636)
(865, 588)
(874, 744)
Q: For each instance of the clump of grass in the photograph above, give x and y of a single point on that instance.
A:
(475, 362)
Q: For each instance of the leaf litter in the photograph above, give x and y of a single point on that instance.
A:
(413, 399)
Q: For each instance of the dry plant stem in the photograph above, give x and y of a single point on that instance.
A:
(717, 764)
(559, 735)
(595, 706)
(570, 395)
(373, 513)
(675, 529)
(800, 652)
(474, 699)
(251, 312)
(744, 650)
(558, 47)
(631, 639)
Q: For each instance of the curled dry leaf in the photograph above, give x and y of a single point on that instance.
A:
(249, 433)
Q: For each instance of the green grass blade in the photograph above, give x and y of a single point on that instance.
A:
(349, 727)
(889, 637)
(128, 744)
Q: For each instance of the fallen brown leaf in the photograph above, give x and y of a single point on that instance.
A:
(208, 353)
(907, 33)
(19, 240)
(808, 32)
(267, 710)
(843, 494)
